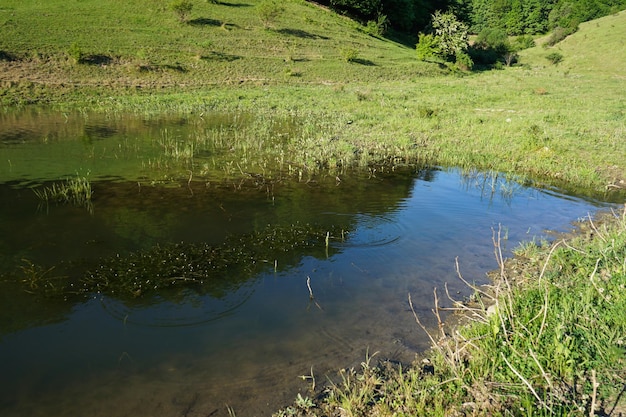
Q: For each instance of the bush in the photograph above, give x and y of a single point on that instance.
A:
(463, 61)
(269, 11)
(427, 47)
(349, 54)
(182, 8)
(558, 34)
(377, 27)
(494, 39)
(492, 46)
(524, 42)
(555, 57)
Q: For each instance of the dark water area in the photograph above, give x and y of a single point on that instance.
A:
(243, 341)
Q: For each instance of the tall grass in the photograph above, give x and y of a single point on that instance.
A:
(75, 191)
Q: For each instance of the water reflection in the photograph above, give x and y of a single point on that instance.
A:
(243, 341)
(186, 351)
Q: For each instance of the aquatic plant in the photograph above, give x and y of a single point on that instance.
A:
(214, 270)
(76, 191)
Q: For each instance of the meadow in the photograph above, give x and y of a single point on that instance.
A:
(553, 344)
(560, 124)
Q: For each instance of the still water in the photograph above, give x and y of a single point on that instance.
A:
(245, 344)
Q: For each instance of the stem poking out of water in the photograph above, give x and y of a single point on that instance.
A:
(308, 284)
(311, 296)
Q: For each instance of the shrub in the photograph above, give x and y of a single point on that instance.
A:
(377, 27)
(76, 53)
(427, 47)
(492, 47)
(269, 11)
(450, 32)
(350, 54)
(558, 34)
(555, 57)
(463, 61)
(182, 8)
(524, 42)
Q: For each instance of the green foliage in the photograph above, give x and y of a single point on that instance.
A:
(377, 27)
(428, 48)
(517, 17)
(523, 42)
(451, 34)
(269, 11)
(554, 57)
(558, 34)
(350, 54)
(495, 40)
(463, 61)
(76, 53)
(493, 46)
(182, 9)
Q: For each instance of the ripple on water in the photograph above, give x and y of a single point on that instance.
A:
(189, 309)
(375, 231)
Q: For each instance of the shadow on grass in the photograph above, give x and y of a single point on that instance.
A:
(301, 34)
(204, 21)
(161, 67)
(6, 56)
(220, 56)
(225, 3)
(618, 400)
(96, 59)
(360, 61)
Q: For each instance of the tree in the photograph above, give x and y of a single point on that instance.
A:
(492, 46)
(451, 34)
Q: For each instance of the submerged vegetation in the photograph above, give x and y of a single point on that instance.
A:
(206, 269)
(547, 338)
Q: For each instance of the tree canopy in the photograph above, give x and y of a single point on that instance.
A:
(514, 17)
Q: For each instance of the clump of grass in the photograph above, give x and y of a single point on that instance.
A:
(75, 191)
(545, 339)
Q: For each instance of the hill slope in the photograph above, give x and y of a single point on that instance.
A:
(137, 42)
(598, 47)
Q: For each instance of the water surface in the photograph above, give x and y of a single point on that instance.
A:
(244, 343)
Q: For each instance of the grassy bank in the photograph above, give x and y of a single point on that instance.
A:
(548, 338)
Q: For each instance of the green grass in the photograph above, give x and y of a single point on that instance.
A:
(559, 124)
(75, 191)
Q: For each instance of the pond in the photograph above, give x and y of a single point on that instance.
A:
(193, 297)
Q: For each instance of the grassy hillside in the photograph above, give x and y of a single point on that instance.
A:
(596, 49)
(143, 42)
(559, 123)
